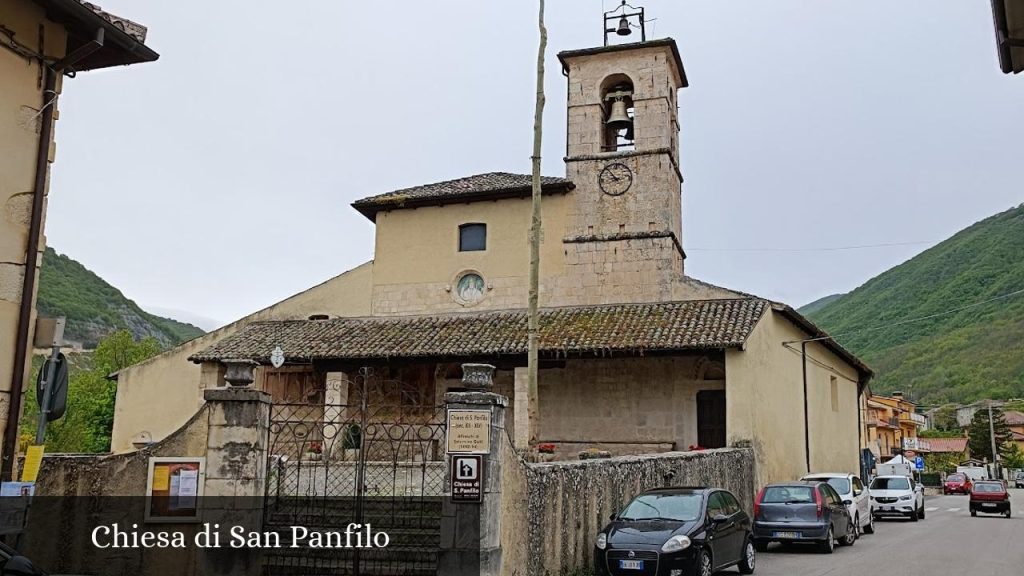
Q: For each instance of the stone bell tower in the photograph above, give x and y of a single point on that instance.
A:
(624, 232)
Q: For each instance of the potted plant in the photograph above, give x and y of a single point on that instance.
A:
(314, 451)
(545, 452)
(351, 441)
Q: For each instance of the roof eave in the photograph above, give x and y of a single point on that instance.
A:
(120, 48)
(371, 208)
(566, 55)
(1007, 16)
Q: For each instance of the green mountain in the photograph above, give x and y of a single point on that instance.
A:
(970, 344)
(820, 303)
(95, 309)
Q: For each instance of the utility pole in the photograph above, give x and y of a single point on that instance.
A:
(992, 439)
(533, 312)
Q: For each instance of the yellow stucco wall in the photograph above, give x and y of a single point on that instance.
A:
(764, 404)
(416, 257)
(21, 98)
(158, 396)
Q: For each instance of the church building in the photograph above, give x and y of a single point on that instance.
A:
(636, 356)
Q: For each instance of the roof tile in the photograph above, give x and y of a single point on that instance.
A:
(489, 185)
(591, 330)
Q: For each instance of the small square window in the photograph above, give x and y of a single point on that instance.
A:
(472, 237)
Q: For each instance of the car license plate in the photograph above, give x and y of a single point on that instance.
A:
(886, 508)
(786, 534)
(631, 564)
(989, 505)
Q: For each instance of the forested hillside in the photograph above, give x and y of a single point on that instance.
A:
(95, 309)
(971, 345)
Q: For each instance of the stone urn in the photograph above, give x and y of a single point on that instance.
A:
(478, 376)
(239, 372)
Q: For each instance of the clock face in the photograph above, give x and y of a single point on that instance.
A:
(615, 179)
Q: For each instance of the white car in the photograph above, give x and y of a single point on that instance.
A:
(897, 496)
(856, 497)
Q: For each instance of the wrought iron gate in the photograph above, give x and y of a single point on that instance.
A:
(374, 459)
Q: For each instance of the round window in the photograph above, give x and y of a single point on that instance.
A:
(469, 288)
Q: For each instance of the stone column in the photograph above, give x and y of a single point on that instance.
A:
(335, 414)
(527, 411)
(471, 533)
(236, 472)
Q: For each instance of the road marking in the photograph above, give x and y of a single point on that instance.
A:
(931, 509)
(954, 510)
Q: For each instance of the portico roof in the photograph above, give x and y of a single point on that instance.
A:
(621, 329)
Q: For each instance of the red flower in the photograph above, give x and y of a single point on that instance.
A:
(546, 448)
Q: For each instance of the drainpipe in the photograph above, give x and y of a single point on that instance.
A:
(35, 229)
(860, 436)
(807, 420)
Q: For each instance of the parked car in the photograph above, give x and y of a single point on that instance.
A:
(851, 489)
(12, 563)
(676, 531)
(897, 496)
(991, 497)
(810, 512)
(957, 484)
(1019, 482)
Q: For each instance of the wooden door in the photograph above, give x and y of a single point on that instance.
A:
(711, 418)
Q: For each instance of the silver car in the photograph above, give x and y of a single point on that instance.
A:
(855, 495)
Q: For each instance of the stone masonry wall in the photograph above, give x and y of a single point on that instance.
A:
(569, 502)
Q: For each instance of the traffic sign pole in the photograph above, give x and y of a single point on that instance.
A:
(46, 402)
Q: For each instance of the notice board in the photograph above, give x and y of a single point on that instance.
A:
(173, 489)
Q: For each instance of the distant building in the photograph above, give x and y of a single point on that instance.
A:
(41, 43)
(892, 425)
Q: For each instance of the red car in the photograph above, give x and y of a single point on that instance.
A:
(991, 497)
(957, 484)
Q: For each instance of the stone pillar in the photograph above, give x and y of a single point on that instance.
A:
(521, 428)
(335, 414)
(236, 472)
(470, 532)
(527, 411)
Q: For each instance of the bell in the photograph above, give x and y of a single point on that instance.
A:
(619, 119)
(623, 29)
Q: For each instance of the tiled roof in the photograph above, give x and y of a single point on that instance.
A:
(133, 29)
(955, 445)
(479, 187)
(123, 42)
(591, 330)
(1014, 418)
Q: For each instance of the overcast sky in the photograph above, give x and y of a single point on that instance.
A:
(217, 180)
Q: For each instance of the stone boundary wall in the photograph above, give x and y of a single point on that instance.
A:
(569, 502)
(122, 474)
(109, 487)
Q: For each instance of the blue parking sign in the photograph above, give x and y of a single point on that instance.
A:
(919, 462)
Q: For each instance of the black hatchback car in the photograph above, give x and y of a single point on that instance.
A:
(805, 511)
(673, 531)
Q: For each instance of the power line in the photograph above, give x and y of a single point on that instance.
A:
(818, 249)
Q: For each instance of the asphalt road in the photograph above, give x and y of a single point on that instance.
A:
(947, 541)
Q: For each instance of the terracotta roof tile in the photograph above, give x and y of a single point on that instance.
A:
(591, 330)
(955, 445)
(481, 186)
(1014, 418)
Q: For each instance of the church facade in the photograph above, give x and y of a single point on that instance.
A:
(636, 356)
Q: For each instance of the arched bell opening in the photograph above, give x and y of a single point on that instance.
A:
(618, 129)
